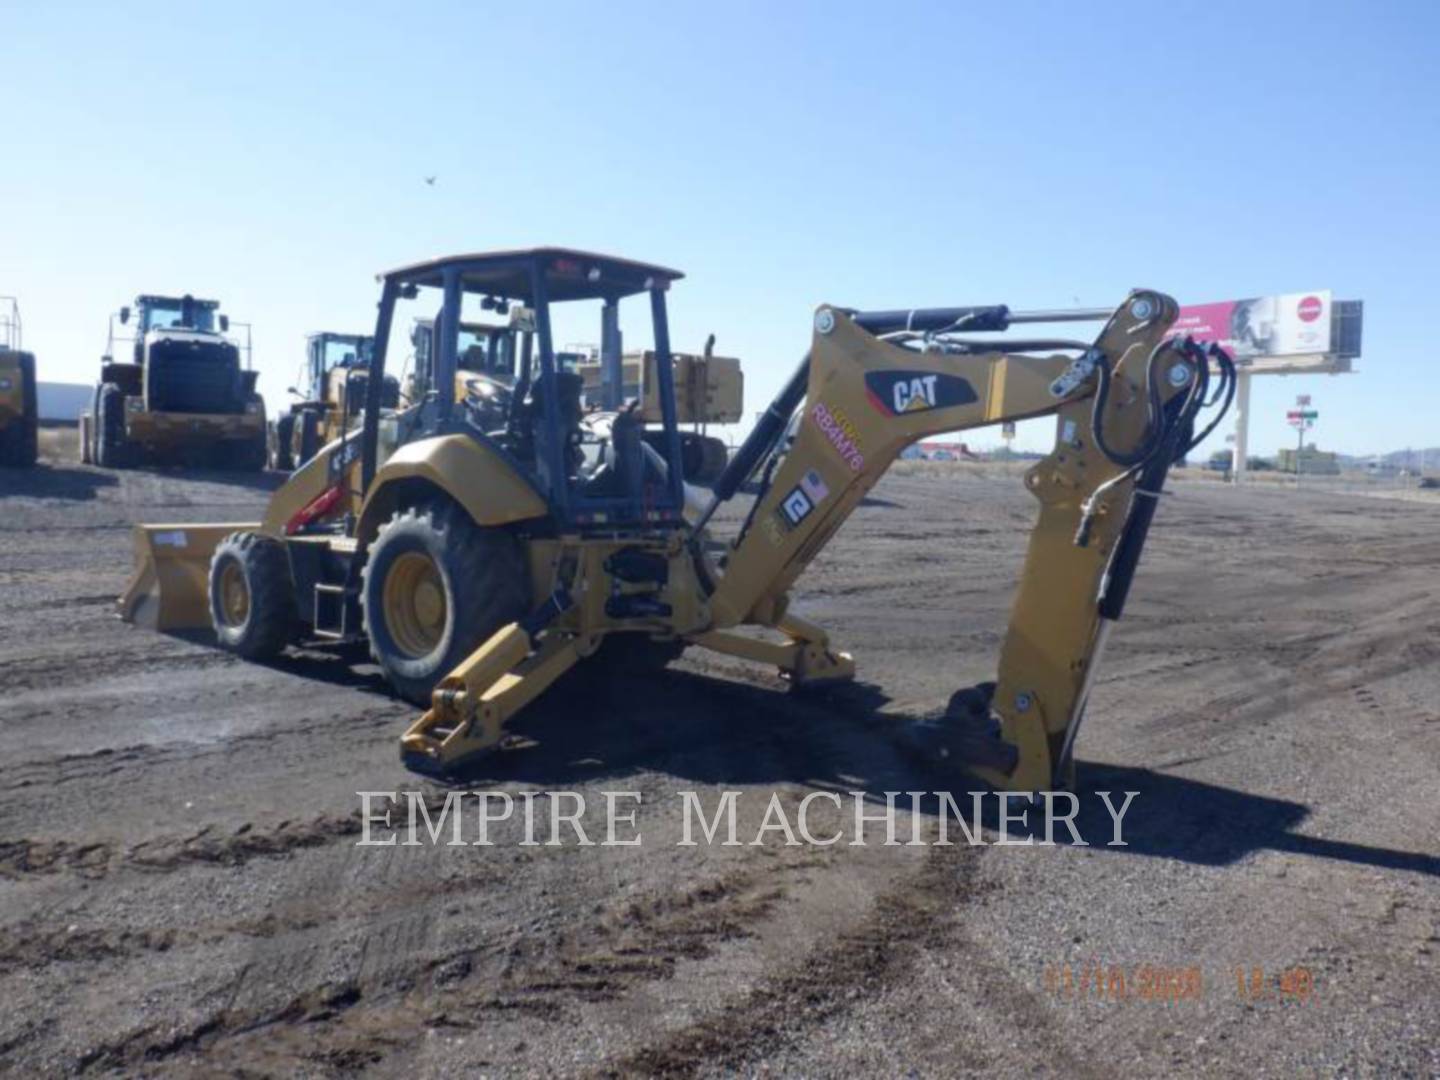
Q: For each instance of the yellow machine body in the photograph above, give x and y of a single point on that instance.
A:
(168, 434)
(12, 387)
(19, 392)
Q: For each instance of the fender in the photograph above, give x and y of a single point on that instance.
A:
(476, 476)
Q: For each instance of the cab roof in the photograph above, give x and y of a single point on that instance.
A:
(569, 274)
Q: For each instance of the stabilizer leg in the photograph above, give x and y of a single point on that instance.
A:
(471, 705)
(806, 659)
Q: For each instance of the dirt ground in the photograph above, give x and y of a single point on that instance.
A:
(181, 888)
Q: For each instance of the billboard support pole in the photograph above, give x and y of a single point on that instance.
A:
(1242, 426)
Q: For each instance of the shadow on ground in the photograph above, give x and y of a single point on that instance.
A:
(730, 734)
(50, 481)
(592, 726)
(265, 480)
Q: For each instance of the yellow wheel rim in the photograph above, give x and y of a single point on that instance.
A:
(234, 595)
(415, 607)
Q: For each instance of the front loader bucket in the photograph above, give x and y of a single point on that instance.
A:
(170, 588)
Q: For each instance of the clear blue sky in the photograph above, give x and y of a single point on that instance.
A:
(782, 154)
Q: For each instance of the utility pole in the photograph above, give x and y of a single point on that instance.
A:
(1238, 459)
(1302, 416)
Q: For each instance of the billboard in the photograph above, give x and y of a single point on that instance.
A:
(1295, 324)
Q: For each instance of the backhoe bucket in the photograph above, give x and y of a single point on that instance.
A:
(170, 588)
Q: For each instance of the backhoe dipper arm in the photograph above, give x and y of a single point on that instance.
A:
(866, 398)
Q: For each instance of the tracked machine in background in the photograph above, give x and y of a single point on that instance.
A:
(484, 550)
(336, 369)
(19, 404)
(180, 395)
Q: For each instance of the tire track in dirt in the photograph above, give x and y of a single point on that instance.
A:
(1323, 673)
(923, 914)
(99, 765)
(363, 1020)
(97, 859)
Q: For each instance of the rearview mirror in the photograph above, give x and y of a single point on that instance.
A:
(522, 319)
(124, 315)
(224, 323)
(292, 390)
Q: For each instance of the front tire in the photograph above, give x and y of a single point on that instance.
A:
(112, 450)
(309, 437)
(284, 457)
(252, 597)
(436, 585)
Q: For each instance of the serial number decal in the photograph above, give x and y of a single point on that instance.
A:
(841, 432)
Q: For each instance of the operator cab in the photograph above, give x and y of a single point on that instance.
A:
(506, 385)
(185, 313)
(171, 312)
(350, 355)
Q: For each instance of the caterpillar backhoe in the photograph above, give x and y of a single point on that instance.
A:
(485, 546)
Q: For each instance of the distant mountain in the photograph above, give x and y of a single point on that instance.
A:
(1406, 459)
(1395, 459)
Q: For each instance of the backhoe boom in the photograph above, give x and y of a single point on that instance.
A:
(872, 384)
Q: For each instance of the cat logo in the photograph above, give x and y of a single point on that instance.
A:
(896, 393)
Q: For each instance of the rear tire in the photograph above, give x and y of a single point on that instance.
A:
(112, 450)
(92, 443)
(252, 597)
(436, 585)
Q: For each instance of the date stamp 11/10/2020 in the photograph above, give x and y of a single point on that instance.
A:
(1165, 984)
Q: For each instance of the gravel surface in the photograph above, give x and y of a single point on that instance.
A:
(181, 888)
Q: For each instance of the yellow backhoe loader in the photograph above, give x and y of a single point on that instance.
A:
(485, 547)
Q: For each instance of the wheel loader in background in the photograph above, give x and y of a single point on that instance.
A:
(19, 406)
(181, 397)
(709, 389)
(484, 549)
(336, 367)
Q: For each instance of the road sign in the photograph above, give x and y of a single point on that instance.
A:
(1302, 399)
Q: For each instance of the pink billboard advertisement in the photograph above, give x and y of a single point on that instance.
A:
(1294, 324)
